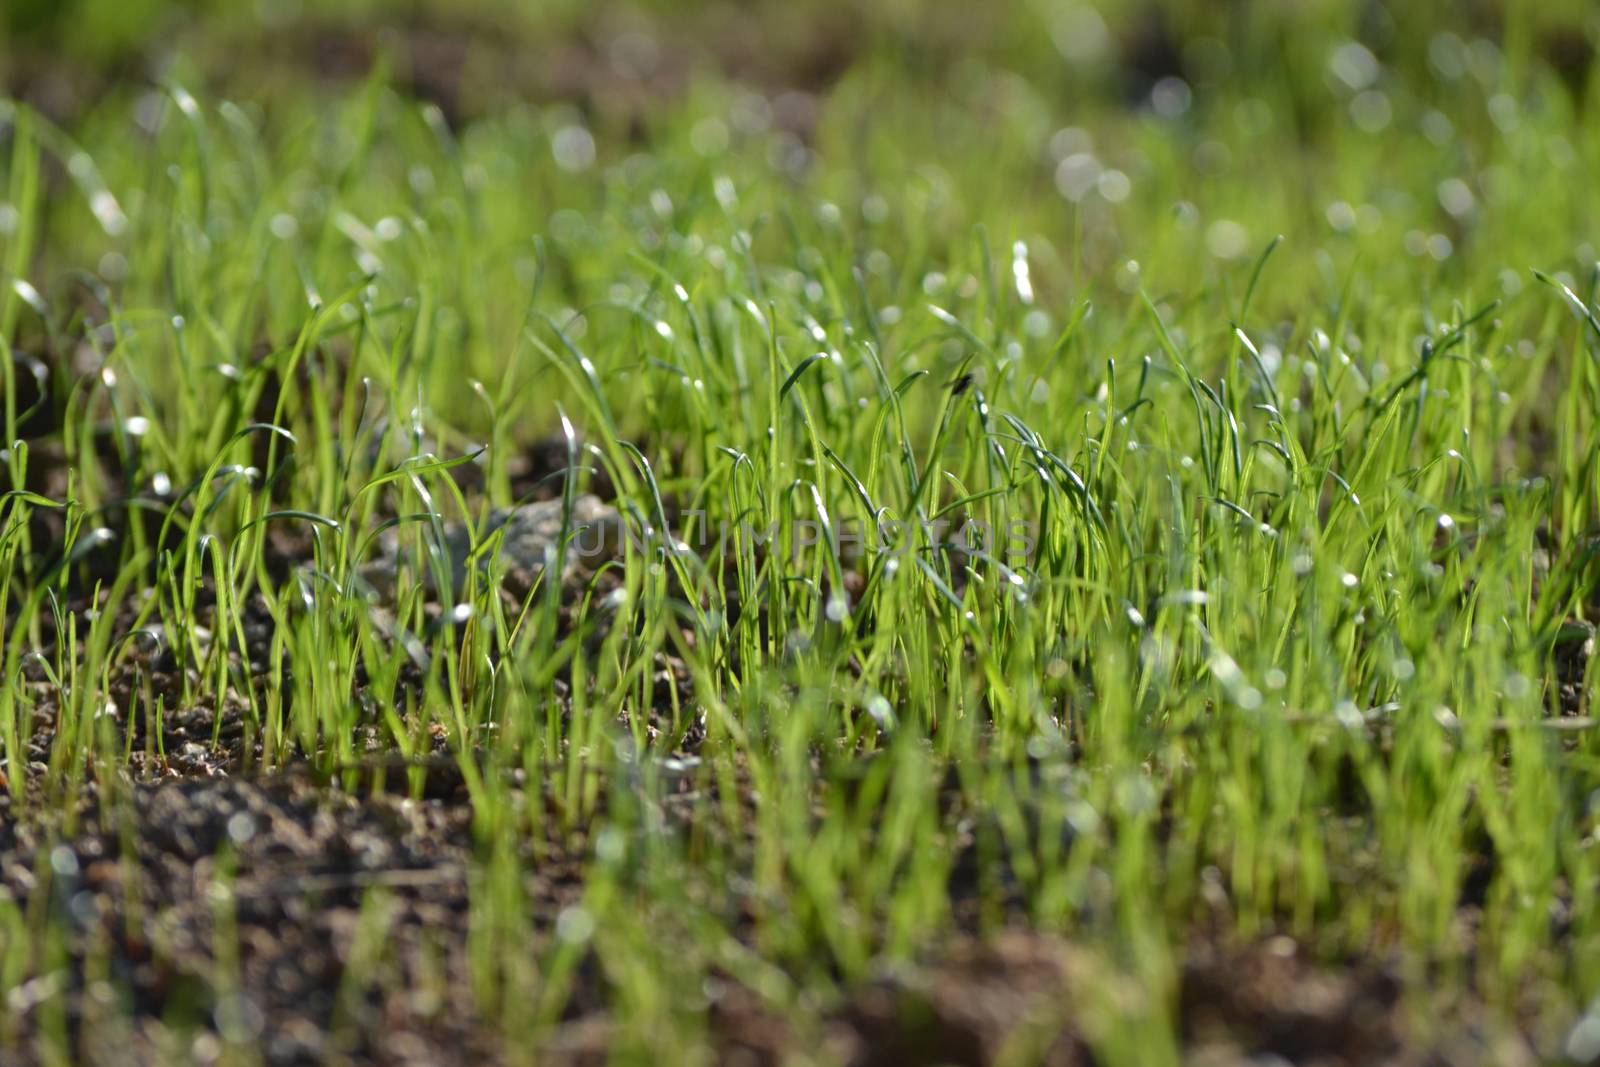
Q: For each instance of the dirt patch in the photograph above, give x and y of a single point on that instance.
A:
(1270, 998)
(1574, 648)
(969, 1007)
(621, 61)
(308, 922)
(291, 881)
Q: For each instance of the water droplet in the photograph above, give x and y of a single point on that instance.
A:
(1456, 197)
(241, 827)
(1354, 64)
(64, 861)
(1114, 186)
(882, 712)
(574, 925)
(1076, 175)
(1170, 97)
(1227, 239)
(573, 147)
(108, 212)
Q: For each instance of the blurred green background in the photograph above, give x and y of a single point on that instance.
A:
(1416, 148)
(467, 55)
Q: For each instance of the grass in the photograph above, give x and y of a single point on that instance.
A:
(1281, 386)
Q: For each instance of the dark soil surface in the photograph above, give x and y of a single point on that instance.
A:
(298, 861)
(239, 906)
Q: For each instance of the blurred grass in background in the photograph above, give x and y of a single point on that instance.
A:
(1131, 145)
(482, 53)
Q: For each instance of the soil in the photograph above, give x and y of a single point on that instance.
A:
(273, 872)
(611, 61)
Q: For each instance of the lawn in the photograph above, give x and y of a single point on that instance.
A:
(812, 533)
